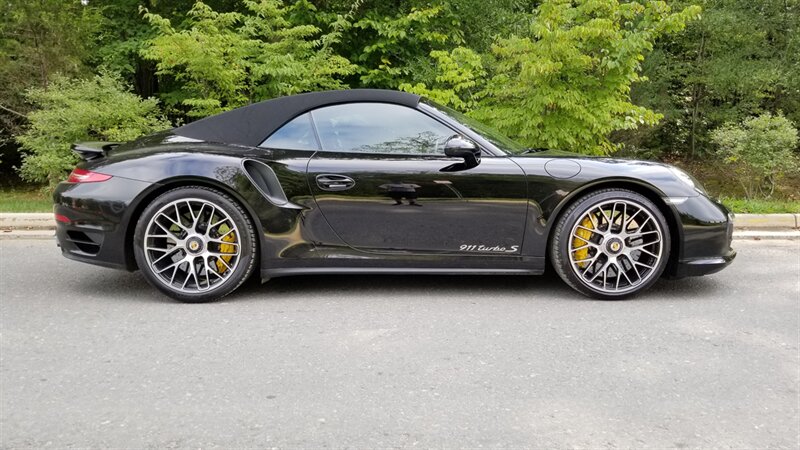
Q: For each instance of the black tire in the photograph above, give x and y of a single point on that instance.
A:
(245, 261)
(620, 265)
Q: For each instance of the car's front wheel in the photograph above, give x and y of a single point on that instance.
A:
(195, 244)
(611, 244)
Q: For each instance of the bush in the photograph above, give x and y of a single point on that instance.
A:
(760, 152)
(70, 110)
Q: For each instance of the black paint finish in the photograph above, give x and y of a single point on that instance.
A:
(339, 212)
(413, 206)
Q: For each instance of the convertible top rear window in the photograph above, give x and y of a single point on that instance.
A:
(298, 134)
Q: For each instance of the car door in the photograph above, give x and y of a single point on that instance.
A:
(383, 183)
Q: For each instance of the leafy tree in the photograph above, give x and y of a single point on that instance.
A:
(69, 110)
(392, 54)
(226, 60)
(566, 84)
(759, 151)
(400, 43)
(458, 80)
(587, 75)
(741, 59)
(37, 39)
(124, 33)
(482, 22)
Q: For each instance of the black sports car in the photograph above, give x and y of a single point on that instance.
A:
(374, 181)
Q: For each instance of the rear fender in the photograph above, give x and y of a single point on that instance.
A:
(279, 225)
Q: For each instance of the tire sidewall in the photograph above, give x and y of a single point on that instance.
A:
(560, 243)
(246, 236)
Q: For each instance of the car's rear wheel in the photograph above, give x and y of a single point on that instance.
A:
(195, 244)
(611, 244)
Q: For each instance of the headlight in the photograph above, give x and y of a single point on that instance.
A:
(688, 179)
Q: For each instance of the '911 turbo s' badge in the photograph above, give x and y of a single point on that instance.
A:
(487, 249)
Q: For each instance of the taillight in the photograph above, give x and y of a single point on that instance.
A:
(86, 176)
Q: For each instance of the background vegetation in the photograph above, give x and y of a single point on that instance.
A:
(710, 85)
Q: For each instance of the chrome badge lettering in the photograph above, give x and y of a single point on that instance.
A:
(488, 249)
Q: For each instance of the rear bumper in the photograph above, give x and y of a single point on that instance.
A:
(98, 215)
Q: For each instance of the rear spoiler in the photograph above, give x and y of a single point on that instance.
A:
(93, 150)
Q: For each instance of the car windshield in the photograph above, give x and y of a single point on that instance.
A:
(497, 138)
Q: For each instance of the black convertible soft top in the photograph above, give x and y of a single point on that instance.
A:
(250, 125)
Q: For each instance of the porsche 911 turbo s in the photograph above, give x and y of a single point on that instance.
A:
(372, 182)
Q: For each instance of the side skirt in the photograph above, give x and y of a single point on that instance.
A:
(285, 272)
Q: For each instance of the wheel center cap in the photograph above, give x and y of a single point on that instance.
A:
(194, 245)
(614, 246)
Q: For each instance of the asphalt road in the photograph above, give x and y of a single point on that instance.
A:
(92, 357)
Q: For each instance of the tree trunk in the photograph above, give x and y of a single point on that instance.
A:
(145, 82)
(697, 95)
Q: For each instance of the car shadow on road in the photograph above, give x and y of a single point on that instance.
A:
(498, 285)
(111, 284)
(125, 286)
(546, 286)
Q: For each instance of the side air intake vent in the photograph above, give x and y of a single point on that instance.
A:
(264, 178)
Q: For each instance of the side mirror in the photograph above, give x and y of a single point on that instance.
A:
(459, 147)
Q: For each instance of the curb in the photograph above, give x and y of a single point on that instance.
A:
(27, 234)
(27, 221)
(746, 226)
(771, 221)
(766, 235)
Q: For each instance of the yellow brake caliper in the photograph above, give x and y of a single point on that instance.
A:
(581, 240)
(225, 248)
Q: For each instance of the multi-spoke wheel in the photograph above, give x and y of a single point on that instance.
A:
(611, 244)
(194, 244)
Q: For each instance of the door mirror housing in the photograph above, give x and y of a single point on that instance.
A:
(459, 147)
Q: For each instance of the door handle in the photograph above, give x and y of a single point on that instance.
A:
(332, 182)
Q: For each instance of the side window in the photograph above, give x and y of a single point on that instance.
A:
(298, 134)
(379, 128)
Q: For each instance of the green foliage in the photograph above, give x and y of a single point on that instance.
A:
(761, 206)
(566, 84)
(481, 22)
(593, 76)
(759, 151)
(402, 43)
(25, 200)
(741, 59)
(70, 110)
(225, 60)
(38, 39)
(458, 79)
(392, 54)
